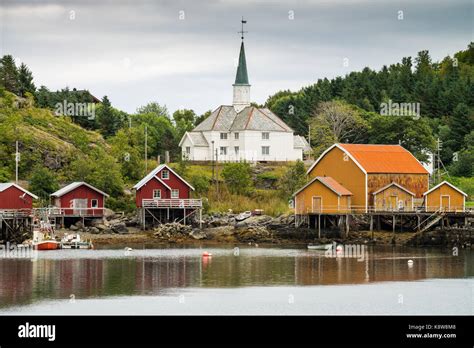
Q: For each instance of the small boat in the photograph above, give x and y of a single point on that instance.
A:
(73, 241)
(47, 245)
(319, 246)
(243, 216)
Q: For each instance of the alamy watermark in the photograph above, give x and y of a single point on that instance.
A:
(357, 251)
(75, 109)
(400, 109)
(20, 251)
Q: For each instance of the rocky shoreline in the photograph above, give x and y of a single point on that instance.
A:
(255, 230)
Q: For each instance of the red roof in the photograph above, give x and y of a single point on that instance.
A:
(384, 158)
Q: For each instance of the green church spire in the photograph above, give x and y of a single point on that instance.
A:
(242, 78)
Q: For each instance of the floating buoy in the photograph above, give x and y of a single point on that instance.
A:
(410, 263)
(206, 254)
(128, 249)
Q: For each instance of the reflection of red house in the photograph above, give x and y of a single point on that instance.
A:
(79, 199)
(14, 197)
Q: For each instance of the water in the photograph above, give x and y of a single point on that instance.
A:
(252, 281)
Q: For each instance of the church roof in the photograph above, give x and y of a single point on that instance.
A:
(225, 118)
(242, 78)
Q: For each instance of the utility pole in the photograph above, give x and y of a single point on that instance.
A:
(17, 160)
(217, 174)
(146, 150)
(309, 141)
(212, 159)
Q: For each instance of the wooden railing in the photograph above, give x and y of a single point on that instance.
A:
(58, 212)
(172, 203)
(359, 209)
(15, 213)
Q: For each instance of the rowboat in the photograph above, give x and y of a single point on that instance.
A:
(319, 246)
(73, 241)
(243, 216)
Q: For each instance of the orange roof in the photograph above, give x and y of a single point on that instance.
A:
(384, 158)
(330, 183)
(334, 185)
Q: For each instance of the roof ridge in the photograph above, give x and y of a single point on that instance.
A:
(217, 116)
(250, 116)
(279, 125)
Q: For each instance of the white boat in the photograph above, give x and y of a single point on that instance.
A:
(73, 241)
(319, 246)
(243, 216)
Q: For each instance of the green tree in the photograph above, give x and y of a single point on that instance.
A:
(293, 179)
(238, 177)
(155, 109)
(200, 183)
(9, 74)
(108, 118)
(25, 80)
(461, 125)
(184, 121)
(43, 182)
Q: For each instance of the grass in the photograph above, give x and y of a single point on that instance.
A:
(470, 204)
(270, 201)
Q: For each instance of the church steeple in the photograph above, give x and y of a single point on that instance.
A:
(241, 85)
(242, 78)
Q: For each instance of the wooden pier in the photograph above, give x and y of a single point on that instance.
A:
(158, 211)
(405, 221)
(16, 225)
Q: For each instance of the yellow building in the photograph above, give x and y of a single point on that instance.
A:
(445, 197)
(393, 197)
(322, 195)
(366, 168)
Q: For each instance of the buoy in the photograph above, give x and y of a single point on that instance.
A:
(128, 249)
(206, 254)
(410, 262)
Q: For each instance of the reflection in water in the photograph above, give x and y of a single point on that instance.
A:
(99, 273)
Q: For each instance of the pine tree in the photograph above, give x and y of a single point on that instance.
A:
(25, 80)
(9, 74)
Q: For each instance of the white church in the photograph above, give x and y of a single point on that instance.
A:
(241, 132)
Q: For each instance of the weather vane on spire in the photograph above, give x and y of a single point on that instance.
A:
(242, 32)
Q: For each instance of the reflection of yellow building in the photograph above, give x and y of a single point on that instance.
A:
(323, 195)
(393, 197)
(445, 197)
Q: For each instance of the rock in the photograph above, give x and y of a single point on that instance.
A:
(79, 224)
(94, 230)
(108, 213)
(198, 235)
(73, 228)
(96, 222)
(119, 228)
(101, 227)
(257, 220)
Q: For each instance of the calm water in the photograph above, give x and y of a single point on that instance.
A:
(254, 281)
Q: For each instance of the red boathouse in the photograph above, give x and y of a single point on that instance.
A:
(78, 199)
(164, 196)
(15, 197)
(16, 207)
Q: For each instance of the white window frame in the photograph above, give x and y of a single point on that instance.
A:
(174, 193)
(223, 151)
(223, 136)
(165, 171)
(265, 135)
(96, 203)
(159, 196)
(263, 152)
(188, 150)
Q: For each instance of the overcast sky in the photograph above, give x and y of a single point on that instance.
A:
(183, 53)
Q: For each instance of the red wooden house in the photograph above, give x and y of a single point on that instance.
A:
(163, 195)
(79, 199)
(15, 197)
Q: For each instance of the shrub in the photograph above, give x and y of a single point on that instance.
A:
(238, 177)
